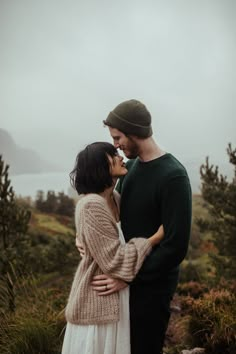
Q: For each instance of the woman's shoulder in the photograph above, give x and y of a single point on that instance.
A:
(90, 200)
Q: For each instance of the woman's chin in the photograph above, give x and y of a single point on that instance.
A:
(124, 172)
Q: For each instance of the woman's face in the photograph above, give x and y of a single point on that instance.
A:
(117, 166)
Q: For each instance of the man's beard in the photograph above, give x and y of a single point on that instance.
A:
(131, 150)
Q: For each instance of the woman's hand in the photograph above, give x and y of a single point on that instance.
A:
(105, 285)
(158, 236)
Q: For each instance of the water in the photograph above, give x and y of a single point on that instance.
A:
(29, 184)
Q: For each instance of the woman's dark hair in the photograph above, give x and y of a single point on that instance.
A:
(91, 173)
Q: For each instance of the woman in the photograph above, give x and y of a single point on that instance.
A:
(100, 324)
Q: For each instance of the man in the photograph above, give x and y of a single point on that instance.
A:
(155, 191)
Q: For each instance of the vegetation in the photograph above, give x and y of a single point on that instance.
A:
(13, 224)
(59, 204)
(38, 260)
(38, 322)
(207, 318)
(213, 321)
(221, 198)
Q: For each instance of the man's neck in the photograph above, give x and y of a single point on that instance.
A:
(149, 150)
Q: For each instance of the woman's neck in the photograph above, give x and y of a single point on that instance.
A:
(107, 194)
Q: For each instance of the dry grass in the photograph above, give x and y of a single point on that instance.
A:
(37, 324)
(50, 224)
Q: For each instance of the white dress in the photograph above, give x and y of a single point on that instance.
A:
(112, 338)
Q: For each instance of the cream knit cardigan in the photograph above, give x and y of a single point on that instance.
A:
(104, 254)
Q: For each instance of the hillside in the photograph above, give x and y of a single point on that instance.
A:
(51, 224)
(22, 160)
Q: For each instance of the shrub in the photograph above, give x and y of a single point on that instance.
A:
(40, 253)
(220, 195)
(193, 289)
(212, 322)
(197, 270)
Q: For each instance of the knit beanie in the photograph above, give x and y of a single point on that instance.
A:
(131, 117)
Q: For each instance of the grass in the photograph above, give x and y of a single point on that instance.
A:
(28, 335)
(50, 224)
(36, 327)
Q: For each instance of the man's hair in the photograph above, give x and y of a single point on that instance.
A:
(91, 173)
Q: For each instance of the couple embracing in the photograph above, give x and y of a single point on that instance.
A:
(133, 236)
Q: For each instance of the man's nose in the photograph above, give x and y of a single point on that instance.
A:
(116, 144)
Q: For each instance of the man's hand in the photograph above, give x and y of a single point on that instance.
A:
(105, 285)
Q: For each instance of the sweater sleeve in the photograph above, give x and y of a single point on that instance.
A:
(176, 218)
(102, 240)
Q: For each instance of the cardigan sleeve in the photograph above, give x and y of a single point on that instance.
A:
(101, 237)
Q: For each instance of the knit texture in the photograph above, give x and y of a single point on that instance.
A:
(104, 254)
(131, 117)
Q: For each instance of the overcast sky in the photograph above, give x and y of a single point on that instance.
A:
(65, 64)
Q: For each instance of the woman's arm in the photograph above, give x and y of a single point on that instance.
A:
(156, 238)
(113, 285)
(100, 236)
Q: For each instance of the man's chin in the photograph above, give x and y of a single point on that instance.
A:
(130, 155)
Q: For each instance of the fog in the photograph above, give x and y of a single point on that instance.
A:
(65, 64)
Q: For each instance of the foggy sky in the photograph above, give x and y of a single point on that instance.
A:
(65, 64)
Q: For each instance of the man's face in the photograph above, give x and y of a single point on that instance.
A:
(127, 144)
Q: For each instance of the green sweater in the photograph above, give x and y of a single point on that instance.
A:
(154, 193)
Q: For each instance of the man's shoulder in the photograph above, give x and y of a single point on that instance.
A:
(177, 162)
(173, 167)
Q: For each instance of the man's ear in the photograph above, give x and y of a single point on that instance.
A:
(134, 138)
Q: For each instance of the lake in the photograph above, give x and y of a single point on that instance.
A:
(29, 184)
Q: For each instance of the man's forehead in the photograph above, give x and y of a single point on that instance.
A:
(115, 133)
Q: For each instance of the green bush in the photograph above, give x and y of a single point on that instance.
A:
(41, 253)
(196, 270)
(212, 322)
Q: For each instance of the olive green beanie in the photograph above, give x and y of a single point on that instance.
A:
(132, 118)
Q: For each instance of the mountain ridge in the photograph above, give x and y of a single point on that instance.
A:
(22, 160)
(26, 161)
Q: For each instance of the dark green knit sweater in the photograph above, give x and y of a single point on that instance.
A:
(154, 193)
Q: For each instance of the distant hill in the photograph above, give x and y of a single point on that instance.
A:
(22, 160)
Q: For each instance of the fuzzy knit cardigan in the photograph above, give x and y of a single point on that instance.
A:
(104, 254)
